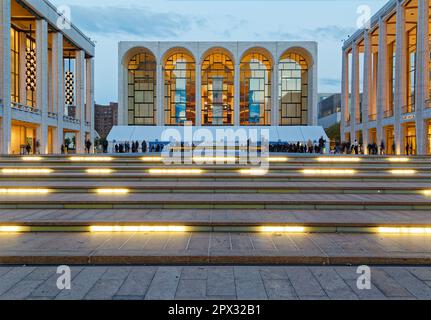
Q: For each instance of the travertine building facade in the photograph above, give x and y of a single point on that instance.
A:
(389, 64)
(47, 79)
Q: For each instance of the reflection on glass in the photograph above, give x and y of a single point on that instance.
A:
(180, 94)
(142, 89)
(255, 92)
(217, 89)
(293, 90)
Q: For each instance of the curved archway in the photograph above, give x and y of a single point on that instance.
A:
(179, 70)
(255, 88)
(293, 88)
(141, 88)
(217, 88)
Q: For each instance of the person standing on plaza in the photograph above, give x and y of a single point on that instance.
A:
(88, 145)
(37, 147)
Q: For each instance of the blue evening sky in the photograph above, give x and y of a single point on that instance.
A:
(108, 21)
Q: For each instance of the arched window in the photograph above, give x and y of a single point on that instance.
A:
(217, 89)
(142, 89)
(255, 92)
(293, 90)
(180, 91)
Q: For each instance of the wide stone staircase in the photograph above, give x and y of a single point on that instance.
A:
(138, 210)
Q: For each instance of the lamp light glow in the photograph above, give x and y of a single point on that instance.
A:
(278, 159)
(24, 191)
(403, 172)
(283, 229)
(27, 171)
(399, 159)
(99, 171)
(12, 229)
(31, 158)
(254, 172)
(138, 229)
(404, 230)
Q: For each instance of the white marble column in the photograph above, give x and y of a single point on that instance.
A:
(401, 77)
(422, 74)
(366, 98)
(198, 92)
(160, 114)
(237, 92)
(355, 92)
(5, 69)
(312, 94)
(80, 99)
(89, 112)
(382, 79)
(344, 93)
(57, 79)
(42, 82)
(275, 103)
(123, 93)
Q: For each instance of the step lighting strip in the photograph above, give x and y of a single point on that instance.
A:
(407, 231)
(31, 159)
(138, 229)
(399, 160)
(403, 172)
(24, 191)
(254, 172)
(99, 171)
(27, 171)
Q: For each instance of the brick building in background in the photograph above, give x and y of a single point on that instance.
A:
(106, 116)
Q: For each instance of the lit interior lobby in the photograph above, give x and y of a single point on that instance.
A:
(218, 84)
(47, 82)
(389, 66)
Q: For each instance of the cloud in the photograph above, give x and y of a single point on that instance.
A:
(335, 33)
(138, 21)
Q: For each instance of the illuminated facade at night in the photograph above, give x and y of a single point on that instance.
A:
(218, 84)
(47, 80)
(388, 65)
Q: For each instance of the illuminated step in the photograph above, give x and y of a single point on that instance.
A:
(26, 171)
(24, 191)
(289, 229)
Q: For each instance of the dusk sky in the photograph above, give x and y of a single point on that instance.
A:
(328, 22)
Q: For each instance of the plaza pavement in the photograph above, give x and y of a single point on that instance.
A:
(214, 283)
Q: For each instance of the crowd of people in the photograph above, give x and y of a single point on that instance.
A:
(136, 147)
(279, 147)
(372, 148)
(309, 147)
